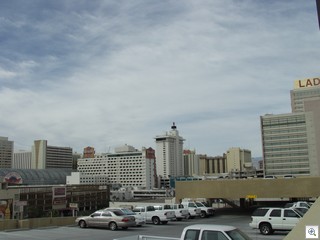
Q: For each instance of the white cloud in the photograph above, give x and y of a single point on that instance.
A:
(4, 74)
(112, 73)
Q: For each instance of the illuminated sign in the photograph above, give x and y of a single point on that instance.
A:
(308, 82)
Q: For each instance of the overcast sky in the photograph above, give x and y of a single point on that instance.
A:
(107, 73)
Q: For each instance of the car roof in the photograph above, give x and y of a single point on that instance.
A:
(274, 208)
(101, 211)
(115, 208)
(214, 227)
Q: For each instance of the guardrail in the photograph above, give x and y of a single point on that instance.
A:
(12, 224)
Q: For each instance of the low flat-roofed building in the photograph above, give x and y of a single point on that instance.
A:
(34, 176)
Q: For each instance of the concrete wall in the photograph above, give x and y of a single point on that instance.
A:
(241, 188)
(36, 223)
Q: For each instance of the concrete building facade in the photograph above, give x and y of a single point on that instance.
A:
(191, 163)
(127, 166)
(6, 152)
(238, 161)
(291, 142)
(22, 160)
(286, 141)
(45, 156)
(169, 154)
(215, 166)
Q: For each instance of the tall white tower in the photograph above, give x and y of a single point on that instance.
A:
(169, 154)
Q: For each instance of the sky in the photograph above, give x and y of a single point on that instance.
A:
(113, 72)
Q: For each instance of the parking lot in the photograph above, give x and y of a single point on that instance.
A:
(172, 229)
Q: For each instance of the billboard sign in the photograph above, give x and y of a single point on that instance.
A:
(13, 178)
(306, 83)
(59, 197)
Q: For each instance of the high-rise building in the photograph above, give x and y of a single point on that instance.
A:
(238, 160)
(127, 166)
(291, 142)
(6, 152)
(22, 160)
(304, 90)
(212, 165)
(169, 154)
(191, 163)
(45, 156)
(286, 141)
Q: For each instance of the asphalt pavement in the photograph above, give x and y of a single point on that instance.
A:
(172, 229)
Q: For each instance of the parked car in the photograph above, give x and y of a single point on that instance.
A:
(106, 219)
(301, 210)
(200, 232)
(289, 176)
(205, 210)
(179, 210)
(151, 215)
(270, 177)
(298, 204)
(139, 220)
(268, 220)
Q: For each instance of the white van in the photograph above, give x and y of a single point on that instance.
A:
(180, 211)
(205, 209)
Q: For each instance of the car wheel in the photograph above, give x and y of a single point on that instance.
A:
(82, 224)
(155, 220)
(203, 214)
(113, 226)
(266, 229)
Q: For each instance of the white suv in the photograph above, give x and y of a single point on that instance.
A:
(267, 220)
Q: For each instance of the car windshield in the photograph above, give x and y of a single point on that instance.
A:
(236, 234)
(205, 204)
(199, 204)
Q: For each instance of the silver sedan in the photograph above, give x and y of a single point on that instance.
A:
(106, 219)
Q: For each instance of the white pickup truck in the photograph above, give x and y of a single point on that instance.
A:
(179, 210)
(199, 232)
(151, 215)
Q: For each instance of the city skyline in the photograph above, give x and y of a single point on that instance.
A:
(109, 73)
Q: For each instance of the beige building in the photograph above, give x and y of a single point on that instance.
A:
(191, 163)
(44, 156)
(239, 162)
(212, 165)
(6, 152)
(291, 142)
(22, 160)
